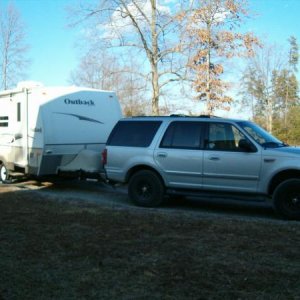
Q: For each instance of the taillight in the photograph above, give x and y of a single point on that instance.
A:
(104, 157)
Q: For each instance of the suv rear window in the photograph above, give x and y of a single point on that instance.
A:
(183, 135)
(133, 133)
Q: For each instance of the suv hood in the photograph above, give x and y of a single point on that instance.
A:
(285, 151)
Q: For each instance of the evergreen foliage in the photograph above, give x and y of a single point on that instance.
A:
(270, 89)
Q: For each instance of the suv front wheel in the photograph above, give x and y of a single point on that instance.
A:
(286, 199)
(145, 188)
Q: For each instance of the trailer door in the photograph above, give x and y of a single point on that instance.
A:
(19, 126)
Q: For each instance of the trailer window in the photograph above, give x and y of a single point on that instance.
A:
(19, 112)
(3, 121)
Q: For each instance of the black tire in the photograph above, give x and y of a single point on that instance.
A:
(4, 174)
(146, 189)
(286, 199)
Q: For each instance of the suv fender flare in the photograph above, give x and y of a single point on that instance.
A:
(135, 169)
(281, 176)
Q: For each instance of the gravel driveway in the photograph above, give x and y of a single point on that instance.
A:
(116, 197)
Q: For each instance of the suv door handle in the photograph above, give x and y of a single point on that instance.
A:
(269, 159)
(214, 158)
(162, 154)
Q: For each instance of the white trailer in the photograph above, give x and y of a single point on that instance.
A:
(45, 131)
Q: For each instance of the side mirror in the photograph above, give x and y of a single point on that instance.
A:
(246, 146)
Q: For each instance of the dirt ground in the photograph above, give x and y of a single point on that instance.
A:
(85, 240)
(116, 197)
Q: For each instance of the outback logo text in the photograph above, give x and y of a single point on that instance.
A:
(79, 102)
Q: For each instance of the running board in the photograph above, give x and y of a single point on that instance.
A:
(219, 195)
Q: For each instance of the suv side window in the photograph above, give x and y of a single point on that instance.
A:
(182, 135)
(224, 137)
(133, 133)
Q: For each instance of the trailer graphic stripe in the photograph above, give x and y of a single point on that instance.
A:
(82, 118)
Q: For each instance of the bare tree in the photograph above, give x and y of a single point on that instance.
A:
(293, 61)
(13, 48)
(148, 31)
(259, 84)
(212, 26)
(101, 70)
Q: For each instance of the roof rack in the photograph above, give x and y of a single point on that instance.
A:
(200, 116)
(208, 116)
(176, 115)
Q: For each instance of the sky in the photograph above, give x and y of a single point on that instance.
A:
(54, 56)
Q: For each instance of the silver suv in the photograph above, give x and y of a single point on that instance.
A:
(203, 155)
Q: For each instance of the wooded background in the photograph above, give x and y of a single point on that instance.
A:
(157, 55)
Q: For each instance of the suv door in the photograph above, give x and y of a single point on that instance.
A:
(226, 165)
(180, 155)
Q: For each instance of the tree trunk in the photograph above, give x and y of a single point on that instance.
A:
(5, 63)
(155, 91)
(270, 116)
(154, 62)
(209, 105)
(4, 76)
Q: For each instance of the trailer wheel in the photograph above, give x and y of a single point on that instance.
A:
(4, 174)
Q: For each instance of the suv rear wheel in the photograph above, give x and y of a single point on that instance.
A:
(146, 189)
(286, 199)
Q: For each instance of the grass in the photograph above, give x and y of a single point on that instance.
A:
(67, 250)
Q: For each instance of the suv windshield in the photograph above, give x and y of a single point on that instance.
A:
(261, 136)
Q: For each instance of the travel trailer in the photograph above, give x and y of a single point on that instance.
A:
(52, 130)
